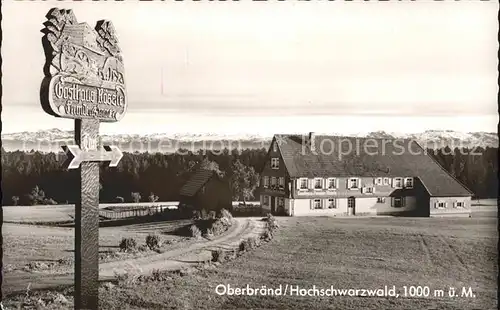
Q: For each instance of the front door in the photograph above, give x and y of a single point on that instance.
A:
(273, 205)
(351, 206)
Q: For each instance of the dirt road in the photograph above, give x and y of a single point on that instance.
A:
(19, 281)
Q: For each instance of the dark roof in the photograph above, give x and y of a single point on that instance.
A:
(366, 157)
(196, 182)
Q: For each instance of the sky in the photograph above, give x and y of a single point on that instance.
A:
(260, 68)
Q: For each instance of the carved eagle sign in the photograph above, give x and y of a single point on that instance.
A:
(84, 72)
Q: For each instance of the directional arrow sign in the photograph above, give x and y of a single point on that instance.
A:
(77, 155)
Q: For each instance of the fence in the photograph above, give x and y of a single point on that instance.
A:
(123, 212)
(250, 209)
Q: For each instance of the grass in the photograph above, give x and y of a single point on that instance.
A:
(27, 243)
(362, 253)
(343, 253)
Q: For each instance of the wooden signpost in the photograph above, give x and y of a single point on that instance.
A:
(84, 80)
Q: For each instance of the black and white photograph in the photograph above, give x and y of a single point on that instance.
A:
(249, 154)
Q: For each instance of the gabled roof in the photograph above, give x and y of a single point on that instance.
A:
(366, 157)
(196, 182)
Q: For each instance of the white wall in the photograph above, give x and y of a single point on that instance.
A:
(449, 205)
(302, 207)
(369, 205)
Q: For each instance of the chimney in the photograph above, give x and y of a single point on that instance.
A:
(312, 142)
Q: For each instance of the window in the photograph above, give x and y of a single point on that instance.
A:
(398, 183)
(281, 202)
(368, 190)
(275, 163)
(266, 200)
(332, 183)
(379, 181)
(318, 183)
(303, 183)
(399, 202)
(387, 181)
(441, 205)
(273, 181)
(408, 182)
(275, 147)
(353, 183)
(459, 204)
(266, 182)
(317, 204)
(281, 182)
(381, 200)
(332, 203)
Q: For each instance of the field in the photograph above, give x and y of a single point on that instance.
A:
(344, 253)
(25, 244)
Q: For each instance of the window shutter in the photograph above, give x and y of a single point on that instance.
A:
(435, 205)
(311, 204)
(325, 183)
(348, 186)
(363, 190)
(336, 183)
(373, 190)
(298, 183)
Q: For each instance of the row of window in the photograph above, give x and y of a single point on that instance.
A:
(275, 182)
(280, 201)
(324, 204)
(444, 205)
(354, 183)
(331, 203)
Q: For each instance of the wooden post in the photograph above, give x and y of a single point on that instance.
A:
(87, 220)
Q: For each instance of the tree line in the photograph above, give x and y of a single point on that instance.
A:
(39, 178)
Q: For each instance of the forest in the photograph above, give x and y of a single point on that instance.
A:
(39, 178)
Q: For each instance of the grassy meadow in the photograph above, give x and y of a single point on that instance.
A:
(360, 253)
(344, 253)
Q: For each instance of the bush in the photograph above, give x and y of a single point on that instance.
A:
(220, 226)
(218, 256)
(136, 197)
(209, 233)
(244, 246)
(142, 248)
(153, 242)
(225, 214)
(49, 201)
(267, 235)
(153, 198)
(15, 200)
(128, 244)
(211, 215)
(195, 231)
(252, 243)
(204, 214)
(196, 215)
(272, 223)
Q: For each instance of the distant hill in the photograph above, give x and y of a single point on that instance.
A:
(52, 140)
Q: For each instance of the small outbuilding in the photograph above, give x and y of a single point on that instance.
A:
(206, 189)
